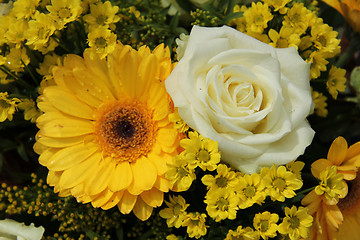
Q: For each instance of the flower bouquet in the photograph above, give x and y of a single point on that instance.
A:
(205, 119)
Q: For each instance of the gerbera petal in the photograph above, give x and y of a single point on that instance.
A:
(101, 177)
(128, 73)
(153, 197)
(101, 198)
(66, 128)
(53, 178)
(114, 200)
(68, 103)
(141, 210)
(121, 178)
(68, 157)
(127, 203)
(60, 142)
(319, 166)
(162, 184)
(148, 72)
(353, 150)
(46, 155)
(144, 174)
(333, 215)
(159, 162)
(80, 172)
(337, 151)
(167, 136)
(157, 101)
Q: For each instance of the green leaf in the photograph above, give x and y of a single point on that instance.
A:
(22, 152)
(232, 16)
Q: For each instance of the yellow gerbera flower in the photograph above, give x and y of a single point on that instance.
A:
(105, 135)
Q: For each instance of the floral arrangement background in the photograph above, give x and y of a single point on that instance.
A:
(213, 119)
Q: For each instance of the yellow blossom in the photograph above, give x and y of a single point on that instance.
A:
(336, 82)
(224, 179)
(175, 212)
(287, 37)
(180, 174)
(296, 223)
(64, 11)
(15, 31)
(102, 14)
(31, 112)
(295, 167)
(221, 204)
(250, 190)
(102, 42)
(24, 8)
(299, 18)
(318, 63)
(16, 59)
(320, 103)
(257, 17)
(324, 38)
(7, 106)
(265, 224)
(171, 237)
(179, 124)
(49, 62)
(278, 5)
(201, 152)
(280, 183)
(195, 223)
(242, 233)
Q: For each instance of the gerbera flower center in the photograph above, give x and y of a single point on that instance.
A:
(125, 130)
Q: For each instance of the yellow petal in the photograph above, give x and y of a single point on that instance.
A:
(66, 128)
(159, 161)
(319, 166)
(68, 103)
(141, 210)
(80, 172)
(335, 4)
(148, 73)
(101, 198)
(354, 150)
(121, 177)
(68, 157)
(101, 177)
(153, 197)
(144, 174)
(60, 142)
(167, 136)
(128, 73)
(46, 155)
(53, 178)
(114, 200)
(337, 151)
(127, 203)
(162, 184)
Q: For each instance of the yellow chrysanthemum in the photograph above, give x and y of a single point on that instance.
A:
(180, 174)
(17, 59)
(201, 152)
(287, 37)
(336, 82)
(224, 179)
(64, 11)
(295, 167)
(320, 103)
(221, 204)
(265, 224)
(105, 135)
(250, 190)
(179, 124)
(102, 14)
(299, 18)
(324, 38)
(242, 234)
(175, 213)
(30, 110)
(101, 41)
(278, 5)
(257, 17)
(280, 183)
(296, 223)
(24, 8)
(7, 106)
(195, 223)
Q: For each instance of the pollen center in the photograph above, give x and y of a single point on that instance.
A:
(125, 130)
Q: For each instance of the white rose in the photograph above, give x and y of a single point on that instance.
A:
(250, 97)
(10, 229)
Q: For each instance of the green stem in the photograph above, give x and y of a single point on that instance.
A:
(305, 191)
(30, 72)
(60, 44)
(345, 56)
(17, 79)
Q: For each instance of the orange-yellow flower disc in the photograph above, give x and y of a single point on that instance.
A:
(105, 135)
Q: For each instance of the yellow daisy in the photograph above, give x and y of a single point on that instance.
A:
(175, 213)
(320, 103)
(7, 106)
(296, 223)
(105, 135)
(221, 204)
(242, 233)
(265, 224)
(337, 81)
(195, 223)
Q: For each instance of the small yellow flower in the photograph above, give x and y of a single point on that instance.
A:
(318, 63)
(336, 82)
(45, 68)
(242, 234)
(171, 237)
(31, 112)
(224, 179)
(102, 14)
(331, 185)
(295, 167)
(250, 190)
(179, 124)
(7, 106)
(180, 174)
(221, 204)
(324, 38)
(64, 11)
(24, 8)
(41, 27)
(16, 59)
(257, 17)
(15, 31)
(287, 37)
(278, 5)
(299, 18)
(102, 42)
(280, 183)
(176, 211)
(265, 224)
(201, 152)
(195, 223)
(296, 223)
(320, 104)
